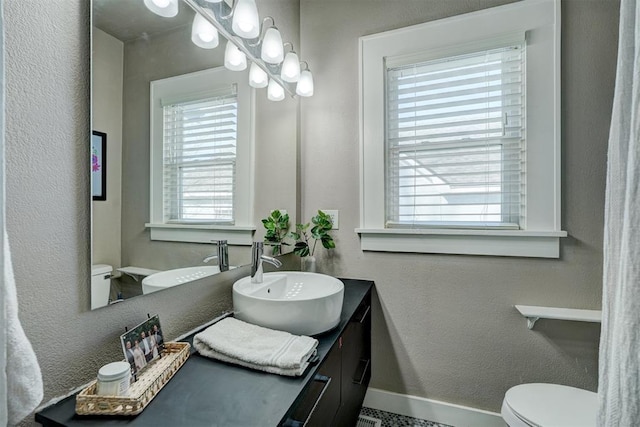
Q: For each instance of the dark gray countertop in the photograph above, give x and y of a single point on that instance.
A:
(205, 392)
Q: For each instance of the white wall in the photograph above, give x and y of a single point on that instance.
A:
(106, 104)
(444, 327)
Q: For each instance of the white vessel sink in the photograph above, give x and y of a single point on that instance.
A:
(292, 301)
(167, 279)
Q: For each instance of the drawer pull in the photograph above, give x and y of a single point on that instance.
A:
(319, 378)
(362, 318)
(361, 373)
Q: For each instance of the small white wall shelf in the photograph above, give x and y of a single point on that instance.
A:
(534, 313)
(137, 273)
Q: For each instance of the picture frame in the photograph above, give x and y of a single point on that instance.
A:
(143, 344)
(99, 165)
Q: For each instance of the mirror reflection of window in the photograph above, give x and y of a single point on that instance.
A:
(199, 142)
(202, 144)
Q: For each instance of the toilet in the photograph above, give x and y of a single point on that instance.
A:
(549, 405)
(100, 285)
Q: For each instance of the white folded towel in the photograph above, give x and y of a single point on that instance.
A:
(234, 341)
(24, 380)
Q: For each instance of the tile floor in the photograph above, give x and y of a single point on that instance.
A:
(394, 420)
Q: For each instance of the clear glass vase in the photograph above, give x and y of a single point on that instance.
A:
(308, 264)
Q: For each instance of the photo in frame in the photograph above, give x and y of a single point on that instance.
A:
(99, 165)
(143, 344)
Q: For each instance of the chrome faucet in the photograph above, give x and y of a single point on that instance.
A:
(222, 255)
(257, 256)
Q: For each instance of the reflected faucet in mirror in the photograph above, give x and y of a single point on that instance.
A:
(222, 256)
(257, 257)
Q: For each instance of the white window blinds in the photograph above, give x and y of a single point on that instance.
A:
(455, 146)
(199, 159)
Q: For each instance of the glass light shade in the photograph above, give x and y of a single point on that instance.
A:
(234, 59)
(213, 1)
(305, 84)
(275, 92)
(164, 8)
(203, 34)
(290, 68)
(245, 21)
(272, 50)
(257, 77)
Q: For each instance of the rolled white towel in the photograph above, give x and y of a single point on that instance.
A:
(234, 341)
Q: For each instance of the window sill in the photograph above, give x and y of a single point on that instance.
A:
(517, 243)
(201, 233)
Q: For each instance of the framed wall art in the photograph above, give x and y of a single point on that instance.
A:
(99, 165)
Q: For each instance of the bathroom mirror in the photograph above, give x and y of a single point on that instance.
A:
(132, 47)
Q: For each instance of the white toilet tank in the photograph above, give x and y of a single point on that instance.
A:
(100, 285)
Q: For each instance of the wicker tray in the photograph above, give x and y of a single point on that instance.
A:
(141, 392)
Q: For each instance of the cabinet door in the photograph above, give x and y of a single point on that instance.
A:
(356, 365)
(320, 399)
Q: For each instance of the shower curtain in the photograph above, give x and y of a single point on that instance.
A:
(619, 384)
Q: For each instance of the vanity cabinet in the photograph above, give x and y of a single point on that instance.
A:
(212, 393)
(335, 395)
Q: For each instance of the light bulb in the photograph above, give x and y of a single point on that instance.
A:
(290, 68)
(164, 8)
(257, 77)
(234, 60)
(305, 84)
(203, 34)
(275, 92)
(272, 50)
(245, 21)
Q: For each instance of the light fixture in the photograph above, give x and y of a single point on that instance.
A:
(257, 77)
(245, 21)
(305, 83)
(272, 50)
(247, 40)
(290, 71)
(164, 8)
(275, 92)
(203, 34)
(234, 59)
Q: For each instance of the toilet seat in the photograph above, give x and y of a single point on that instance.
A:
(549, 405)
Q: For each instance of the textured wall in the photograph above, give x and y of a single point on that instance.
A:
(47, 129)
(444, 326)
(106, 105)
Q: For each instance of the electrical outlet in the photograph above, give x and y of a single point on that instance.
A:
(335, 217)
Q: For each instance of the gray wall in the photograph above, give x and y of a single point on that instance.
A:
(444, 326)
(47, 129)
(106, 104)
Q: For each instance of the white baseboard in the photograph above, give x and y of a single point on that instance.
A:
(432, 410)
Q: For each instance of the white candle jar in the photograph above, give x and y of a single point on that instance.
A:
(114, 379)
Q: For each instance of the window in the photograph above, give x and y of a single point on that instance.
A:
(199, 142)
(460, 134)
(201, 158)
(455, 141)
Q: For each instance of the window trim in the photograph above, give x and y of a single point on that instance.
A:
(188, 87)
(540, 19)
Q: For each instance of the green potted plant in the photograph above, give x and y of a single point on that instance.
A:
(307, 239)
(277, 226)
